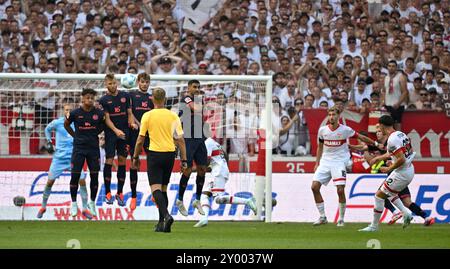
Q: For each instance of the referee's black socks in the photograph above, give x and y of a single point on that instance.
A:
(200, 181)
(121, 173)
(166, 199)
(107, 177)
(183, 185)
(161, 202)
(133, 182)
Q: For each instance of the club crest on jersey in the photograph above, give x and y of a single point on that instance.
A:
(117, 109)
(144, 104)
(95, 117)
(123, 99)
(87, 124)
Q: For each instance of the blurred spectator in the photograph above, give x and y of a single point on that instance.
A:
(395, 93)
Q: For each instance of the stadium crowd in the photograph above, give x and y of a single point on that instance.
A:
(361, 57)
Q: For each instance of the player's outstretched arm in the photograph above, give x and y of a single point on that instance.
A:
(383, 157)
(368, 140)
(358, 147)
(68, 127)
(400, 160)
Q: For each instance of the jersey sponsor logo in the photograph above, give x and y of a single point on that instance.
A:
(123, 99)
(333, 143)
(109, 102)
(80, 117)
(95, 117)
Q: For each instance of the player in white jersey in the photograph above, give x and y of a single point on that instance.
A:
(400, 173)
(215, 187)
(331, 160)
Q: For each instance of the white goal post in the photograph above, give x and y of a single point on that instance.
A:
(263, 184)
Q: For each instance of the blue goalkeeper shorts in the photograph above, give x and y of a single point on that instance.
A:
(58, 166)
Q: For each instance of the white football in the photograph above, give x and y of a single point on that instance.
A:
(128, 81)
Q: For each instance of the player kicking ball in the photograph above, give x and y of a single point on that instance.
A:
(216, 187)
(61, 162)
(401, 173)
(332, 157)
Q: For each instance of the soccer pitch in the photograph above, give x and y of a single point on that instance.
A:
(217, 235)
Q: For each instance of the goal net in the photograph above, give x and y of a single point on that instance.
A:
(234, 108)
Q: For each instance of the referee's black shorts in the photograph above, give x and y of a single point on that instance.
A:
(159, 167)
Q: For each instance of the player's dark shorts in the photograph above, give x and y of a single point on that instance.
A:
(396, 114)
(132, 138)
(159, 167)
(196, 151)
(113, 144)
(91, 156)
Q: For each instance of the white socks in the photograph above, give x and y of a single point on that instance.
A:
(342, 207)
(398, 203)
(321, 208)
(45, 196)
(204, 201)
(227, 199)
(84, 196)
(377, 211)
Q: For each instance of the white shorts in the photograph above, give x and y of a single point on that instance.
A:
(327, 171)
(397, 181)
(216, 183)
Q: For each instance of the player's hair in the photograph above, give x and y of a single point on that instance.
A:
(386, 120)
(88, 91)
(67, 104)
(110, 76)
(143, 76)
(192, 81)
(335, 109)
(159, 94)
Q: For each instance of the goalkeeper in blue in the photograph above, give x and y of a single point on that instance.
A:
(61, 161)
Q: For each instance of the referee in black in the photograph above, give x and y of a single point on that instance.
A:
(164, 130)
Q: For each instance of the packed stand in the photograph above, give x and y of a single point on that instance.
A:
(361, 57)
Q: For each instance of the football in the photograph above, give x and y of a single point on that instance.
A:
(128, 81)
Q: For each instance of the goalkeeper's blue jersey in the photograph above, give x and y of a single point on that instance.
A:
(64, 141)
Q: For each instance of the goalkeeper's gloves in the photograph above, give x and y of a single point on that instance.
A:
(50, 148)
(376, 167)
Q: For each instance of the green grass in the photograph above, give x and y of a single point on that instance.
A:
(251, 235)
